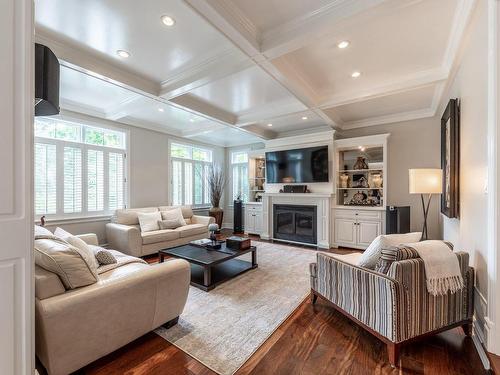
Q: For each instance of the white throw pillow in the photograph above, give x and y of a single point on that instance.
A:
(149, 221)
(373, 253)
(42, 232)
(170, 224)
(61, 233)
(174, 214)
(85, 251)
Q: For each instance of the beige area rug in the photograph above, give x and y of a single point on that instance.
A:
(224, 327)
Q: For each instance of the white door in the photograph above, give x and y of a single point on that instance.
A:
(257, 222)
(249, 221)
(16, 219)
(367, 232)
(345, 231)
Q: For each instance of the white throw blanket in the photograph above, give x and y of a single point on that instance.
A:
(442, 271)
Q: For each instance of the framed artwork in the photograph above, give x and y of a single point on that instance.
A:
(450, 159)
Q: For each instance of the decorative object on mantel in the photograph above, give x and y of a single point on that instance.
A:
(216, 181)
(425, 181)
(295, 188)
(344, 180)
(360, 163)
(450, 159)
(377, 180)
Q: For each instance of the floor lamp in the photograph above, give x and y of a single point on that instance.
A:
(425, 182)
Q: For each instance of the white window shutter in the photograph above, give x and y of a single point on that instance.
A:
(116, 181)
(45, 179)
(95, 180)
(176, 182)
(72, 180)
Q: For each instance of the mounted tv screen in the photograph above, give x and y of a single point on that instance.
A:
(297, 166)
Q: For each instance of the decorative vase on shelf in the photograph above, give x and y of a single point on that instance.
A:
(377, 181)
(360, 163)
(344, 181)
(216, 181)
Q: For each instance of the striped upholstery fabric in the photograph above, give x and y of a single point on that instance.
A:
(313, 272)
(397, 304)
(397, 253)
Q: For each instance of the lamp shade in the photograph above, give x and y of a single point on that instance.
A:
(426, 181)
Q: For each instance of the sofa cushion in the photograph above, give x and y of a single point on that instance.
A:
(352, 258)
(173, 214)
(41, 231)
(149, 221)
(47, 284)
(84, 250)
(191, 230)
(65, 260)
(159, 236)
(373, 253)
(102, 255)
(187, 211)
(128, 216)
(170, 224)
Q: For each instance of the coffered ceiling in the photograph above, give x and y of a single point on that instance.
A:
(235, 72)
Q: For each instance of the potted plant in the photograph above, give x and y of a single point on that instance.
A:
(216, 181)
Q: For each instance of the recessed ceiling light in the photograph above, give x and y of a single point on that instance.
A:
(355, 74)
(123, 54)
(343, 44)
(191, 120)
(161, 109)
(304, 117)
(269, 124)
(167, 20)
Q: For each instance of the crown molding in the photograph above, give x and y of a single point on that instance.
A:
(389, 119)
(299, 32)
(87, 61)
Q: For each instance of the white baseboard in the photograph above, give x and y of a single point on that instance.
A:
(477, 335)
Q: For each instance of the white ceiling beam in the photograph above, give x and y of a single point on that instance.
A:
(202, 130)
(259, 131)
(122, 109)
(86, 60)
(207, 110)
(299, 32)
(408, 83)
(208, 71)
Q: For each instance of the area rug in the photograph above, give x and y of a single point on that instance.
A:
(224, 327)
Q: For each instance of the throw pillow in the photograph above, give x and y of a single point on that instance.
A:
(372, 254)
(65, 260)
(61, 233)
(85, 251)
(103, 256)
(42, 232)
(149, 221)
(174, 214)
(170, 224)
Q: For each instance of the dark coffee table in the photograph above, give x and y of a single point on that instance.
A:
(210, 268)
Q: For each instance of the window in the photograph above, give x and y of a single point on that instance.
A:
(239, 165)
(190, 166)
(79, 169)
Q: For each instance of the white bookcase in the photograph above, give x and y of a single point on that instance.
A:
(358, 221)
(256, 187)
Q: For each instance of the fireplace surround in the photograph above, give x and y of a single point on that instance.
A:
(297, 223)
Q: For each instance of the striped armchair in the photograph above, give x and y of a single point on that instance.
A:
(394, 306)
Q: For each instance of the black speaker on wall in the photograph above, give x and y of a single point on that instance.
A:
(397, 219)
(238, 216)
(46, 81)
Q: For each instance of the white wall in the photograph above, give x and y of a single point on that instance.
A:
(412, 144)
(149, 169)
(470, 85)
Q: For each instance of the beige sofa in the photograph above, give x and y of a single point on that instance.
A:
(76, 327)
(124, 232)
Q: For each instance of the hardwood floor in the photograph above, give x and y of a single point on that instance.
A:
(314, 340)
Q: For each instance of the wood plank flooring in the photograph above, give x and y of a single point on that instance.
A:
(314, 340)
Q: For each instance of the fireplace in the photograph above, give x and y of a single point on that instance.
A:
(295, 223)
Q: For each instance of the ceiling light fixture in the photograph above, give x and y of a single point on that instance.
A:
(161, 109)
(269, 124)
(167, 21)
(355, 74)
(123, 54)
(191, 120)
(343, 44)
(304, 117)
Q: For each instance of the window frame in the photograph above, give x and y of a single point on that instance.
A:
(60, 215)
(246, 197)
(193, 162)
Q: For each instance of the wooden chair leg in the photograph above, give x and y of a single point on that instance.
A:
(467, 329)
(314, 297)
(393, 352)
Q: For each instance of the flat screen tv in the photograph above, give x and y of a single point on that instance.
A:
(297, 166)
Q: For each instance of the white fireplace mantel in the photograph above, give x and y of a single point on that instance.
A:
(322, 201)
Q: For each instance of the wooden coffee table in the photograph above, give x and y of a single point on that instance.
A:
(210, 268)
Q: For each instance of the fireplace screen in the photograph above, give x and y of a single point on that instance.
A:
(295, 223)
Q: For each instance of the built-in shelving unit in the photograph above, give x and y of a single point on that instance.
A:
(256, 176)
